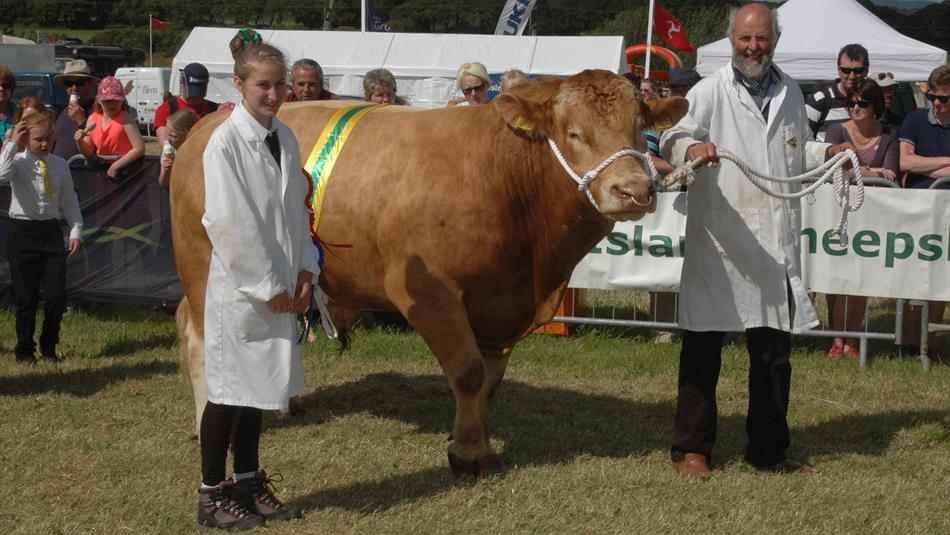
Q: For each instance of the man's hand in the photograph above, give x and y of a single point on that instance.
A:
(76, 114)
(704, 152)
(281, 303)
(74, 245)
(303, 292)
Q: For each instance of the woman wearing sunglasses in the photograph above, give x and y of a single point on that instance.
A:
(875, 144)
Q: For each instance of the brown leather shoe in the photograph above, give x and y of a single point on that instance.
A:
(787, 467)
(693, 465)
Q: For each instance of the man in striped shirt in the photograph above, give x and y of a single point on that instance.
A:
(825, 107)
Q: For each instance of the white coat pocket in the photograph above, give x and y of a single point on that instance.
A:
(252, 320)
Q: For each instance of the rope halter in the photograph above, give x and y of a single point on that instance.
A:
(583, 182)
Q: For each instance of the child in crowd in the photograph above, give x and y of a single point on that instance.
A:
(111, 133)
(26, 107)
(263, 265)
(42, 191)
(179, 124)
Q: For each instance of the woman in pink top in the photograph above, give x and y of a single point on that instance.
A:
(876, 145)
(111, 131)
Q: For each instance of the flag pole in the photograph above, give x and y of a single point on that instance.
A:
(646, 67)
(149, 39)
(363, 16)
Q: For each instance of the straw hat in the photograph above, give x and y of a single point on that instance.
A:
(75, 69)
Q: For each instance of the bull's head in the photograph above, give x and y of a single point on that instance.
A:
(592, 117)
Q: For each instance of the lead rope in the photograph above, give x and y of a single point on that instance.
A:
(830, 171)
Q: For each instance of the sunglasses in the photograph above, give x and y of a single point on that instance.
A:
(849, 70)
(859, 103)
(942, 98)
(78, 83)
(884, 75)
(474, 89)
(4, 85)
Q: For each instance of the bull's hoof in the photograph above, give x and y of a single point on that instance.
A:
(465, 469)
(296, 407)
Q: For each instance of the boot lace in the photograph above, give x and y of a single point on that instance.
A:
(262, 489)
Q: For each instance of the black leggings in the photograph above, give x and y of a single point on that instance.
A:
(217, 424)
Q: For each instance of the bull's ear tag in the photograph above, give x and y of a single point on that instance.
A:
(523, 125)
(664, 124)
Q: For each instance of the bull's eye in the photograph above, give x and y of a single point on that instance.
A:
(574, 135)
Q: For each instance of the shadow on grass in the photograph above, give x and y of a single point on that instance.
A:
(133, 345)
(549, 426)
(84, 382)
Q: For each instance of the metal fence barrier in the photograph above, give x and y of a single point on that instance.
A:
(601, 308)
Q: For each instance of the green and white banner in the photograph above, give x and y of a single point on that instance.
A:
(899, 246)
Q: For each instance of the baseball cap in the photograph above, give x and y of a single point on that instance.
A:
(110, 88)
(885, 79)
(684, 77)
(194, 77)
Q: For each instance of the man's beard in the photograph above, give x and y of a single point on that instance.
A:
(751, 70)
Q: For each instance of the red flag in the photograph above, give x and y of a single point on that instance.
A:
(159, 25)
(670, 30)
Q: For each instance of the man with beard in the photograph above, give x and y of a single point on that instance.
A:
(826, 107)
(741, 271)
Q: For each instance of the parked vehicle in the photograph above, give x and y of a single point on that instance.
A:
(103, 60)
(41, 86)
(149, 85)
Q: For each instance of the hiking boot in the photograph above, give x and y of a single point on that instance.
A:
(224, 507)
(260, 490)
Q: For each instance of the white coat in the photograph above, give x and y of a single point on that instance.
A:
(256, 219)
(741, 244)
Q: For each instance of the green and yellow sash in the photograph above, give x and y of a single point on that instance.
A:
(325, 154)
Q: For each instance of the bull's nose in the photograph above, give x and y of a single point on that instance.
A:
(641, 197)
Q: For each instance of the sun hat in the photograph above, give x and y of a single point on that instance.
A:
(885, 79)
(195, 78)
(75, 69)
(110, 88)
(475, 69)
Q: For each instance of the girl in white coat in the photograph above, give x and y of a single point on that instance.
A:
(263, 264)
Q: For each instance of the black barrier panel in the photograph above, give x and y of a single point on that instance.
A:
(127, 251)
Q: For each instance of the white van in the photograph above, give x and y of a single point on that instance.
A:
(149, 84)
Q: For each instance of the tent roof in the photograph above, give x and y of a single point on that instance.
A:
(424, 64)
(813, 31)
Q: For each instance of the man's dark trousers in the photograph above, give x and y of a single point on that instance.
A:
(37, 255)
(770, 375)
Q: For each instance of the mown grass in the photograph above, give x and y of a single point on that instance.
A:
(99, 443)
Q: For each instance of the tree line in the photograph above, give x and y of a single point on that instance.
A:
(126, 22)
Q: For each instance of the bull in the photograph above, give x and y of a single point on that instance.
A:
(462, 219)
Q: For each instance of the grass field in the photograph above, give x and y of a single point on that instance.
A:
(100, 443)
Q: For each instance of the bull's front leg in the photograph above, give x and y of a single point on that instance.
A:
(439, 317)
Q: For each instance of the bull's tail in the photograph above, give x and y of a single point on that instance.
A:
(186, 332)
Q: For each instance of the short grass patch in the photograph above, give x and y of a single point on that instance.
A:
(99, 443)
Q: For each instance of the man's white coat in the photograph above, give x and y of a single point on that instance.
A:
(741, 244)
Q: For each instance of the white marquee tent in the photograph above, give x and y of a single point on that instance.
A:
(813, 31)
(424, 64)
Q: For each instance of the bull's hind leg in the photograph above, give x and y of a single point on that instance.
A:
(191, 346)
(439, 316)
